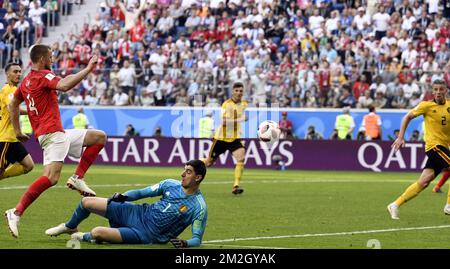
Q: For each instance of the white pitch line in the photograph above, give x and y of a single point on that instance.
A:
(228, 182)
(326, 234)
(240, 246)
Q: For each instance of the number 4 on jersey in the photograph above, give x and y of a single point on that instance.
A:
(31, 106)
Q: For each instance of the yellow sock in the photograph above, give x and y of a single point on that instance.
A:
(448, 196)
(410, 193)
(203, 160)
(238, 173)
(13, 170)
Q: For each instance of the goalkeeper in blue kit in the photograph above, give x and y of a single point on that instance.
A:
(182, 205)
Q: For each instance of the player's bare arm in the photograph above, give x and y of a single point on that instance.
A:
(14, 111)
(67, 83)
(400, 141)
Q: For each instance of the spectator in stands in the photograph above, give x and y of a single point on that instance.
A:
(381, 22)
(158, 61)
(410, 87)
(35, 13)
(258, 82)
(380, 101)
(16, 58)
(414, 100)
(126, 77)
(91, 98)
(75, 98)
(10, 14)
(378, 86)
(133, 99)
(129, 17)
(292, 45)
(22, 26)
(52, 6)
(105, 99)
(365, 101)
(120, 98)
(346, 99)
(399, 100)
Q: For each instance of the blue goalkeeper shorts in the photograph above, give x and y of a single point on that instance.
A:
(127, 218)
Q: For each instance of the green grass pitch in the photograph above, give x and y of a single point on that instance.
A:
(279, 209)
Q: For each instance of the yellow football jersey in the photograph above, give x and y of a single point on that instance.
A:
(7, 133)
(437, 123)
(231, 130)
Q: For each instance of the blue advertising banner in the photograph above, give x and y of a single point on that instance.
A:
(184, 121)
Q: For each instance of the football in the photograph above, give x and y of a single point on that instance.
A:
(269, 131)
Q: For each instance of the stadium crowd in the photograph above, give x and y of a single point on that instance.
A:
(300, 53)
(25, 22)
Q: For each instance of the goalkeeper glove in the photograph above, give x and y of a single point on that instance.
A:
(117, 197)
(178, 243)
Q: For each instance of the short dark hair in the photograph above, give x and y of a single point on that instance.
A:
(199, 167)
(440, 82)
(371, 108)
(238, 85)
(8, 66)
(38, 51)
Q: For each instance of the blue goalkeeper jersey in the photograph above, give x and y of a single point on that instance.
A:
(174, 212)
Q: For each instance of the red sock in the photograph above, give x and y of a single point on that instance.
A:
(444, 178)
(33, 192)
(88, 157)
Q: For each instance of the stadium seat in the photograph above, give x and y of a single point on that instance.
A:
(2, 12)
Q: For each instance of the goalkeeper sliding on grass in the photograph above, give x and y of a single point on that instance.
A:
(182, 204)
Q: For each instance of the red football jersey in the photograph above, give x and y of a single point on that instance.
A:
(38, 90)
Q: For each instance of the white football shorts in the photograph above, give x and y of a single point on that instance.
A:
(58, 145)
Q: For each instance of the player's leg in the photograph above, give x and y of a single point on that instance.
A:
(87, 206)
(55, 146)
(428, 174)
(122, 235)
(49, 178)
(439, 159)
(208, 161)
(122, 217)
(239, 155)
(16, 155)
(19, 168)
(213, 153)
(104, 234)
(94, 141)
(444, 178)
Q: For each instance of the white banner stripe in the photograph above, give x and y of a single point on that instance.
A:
(327, 234)
(229, 182)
